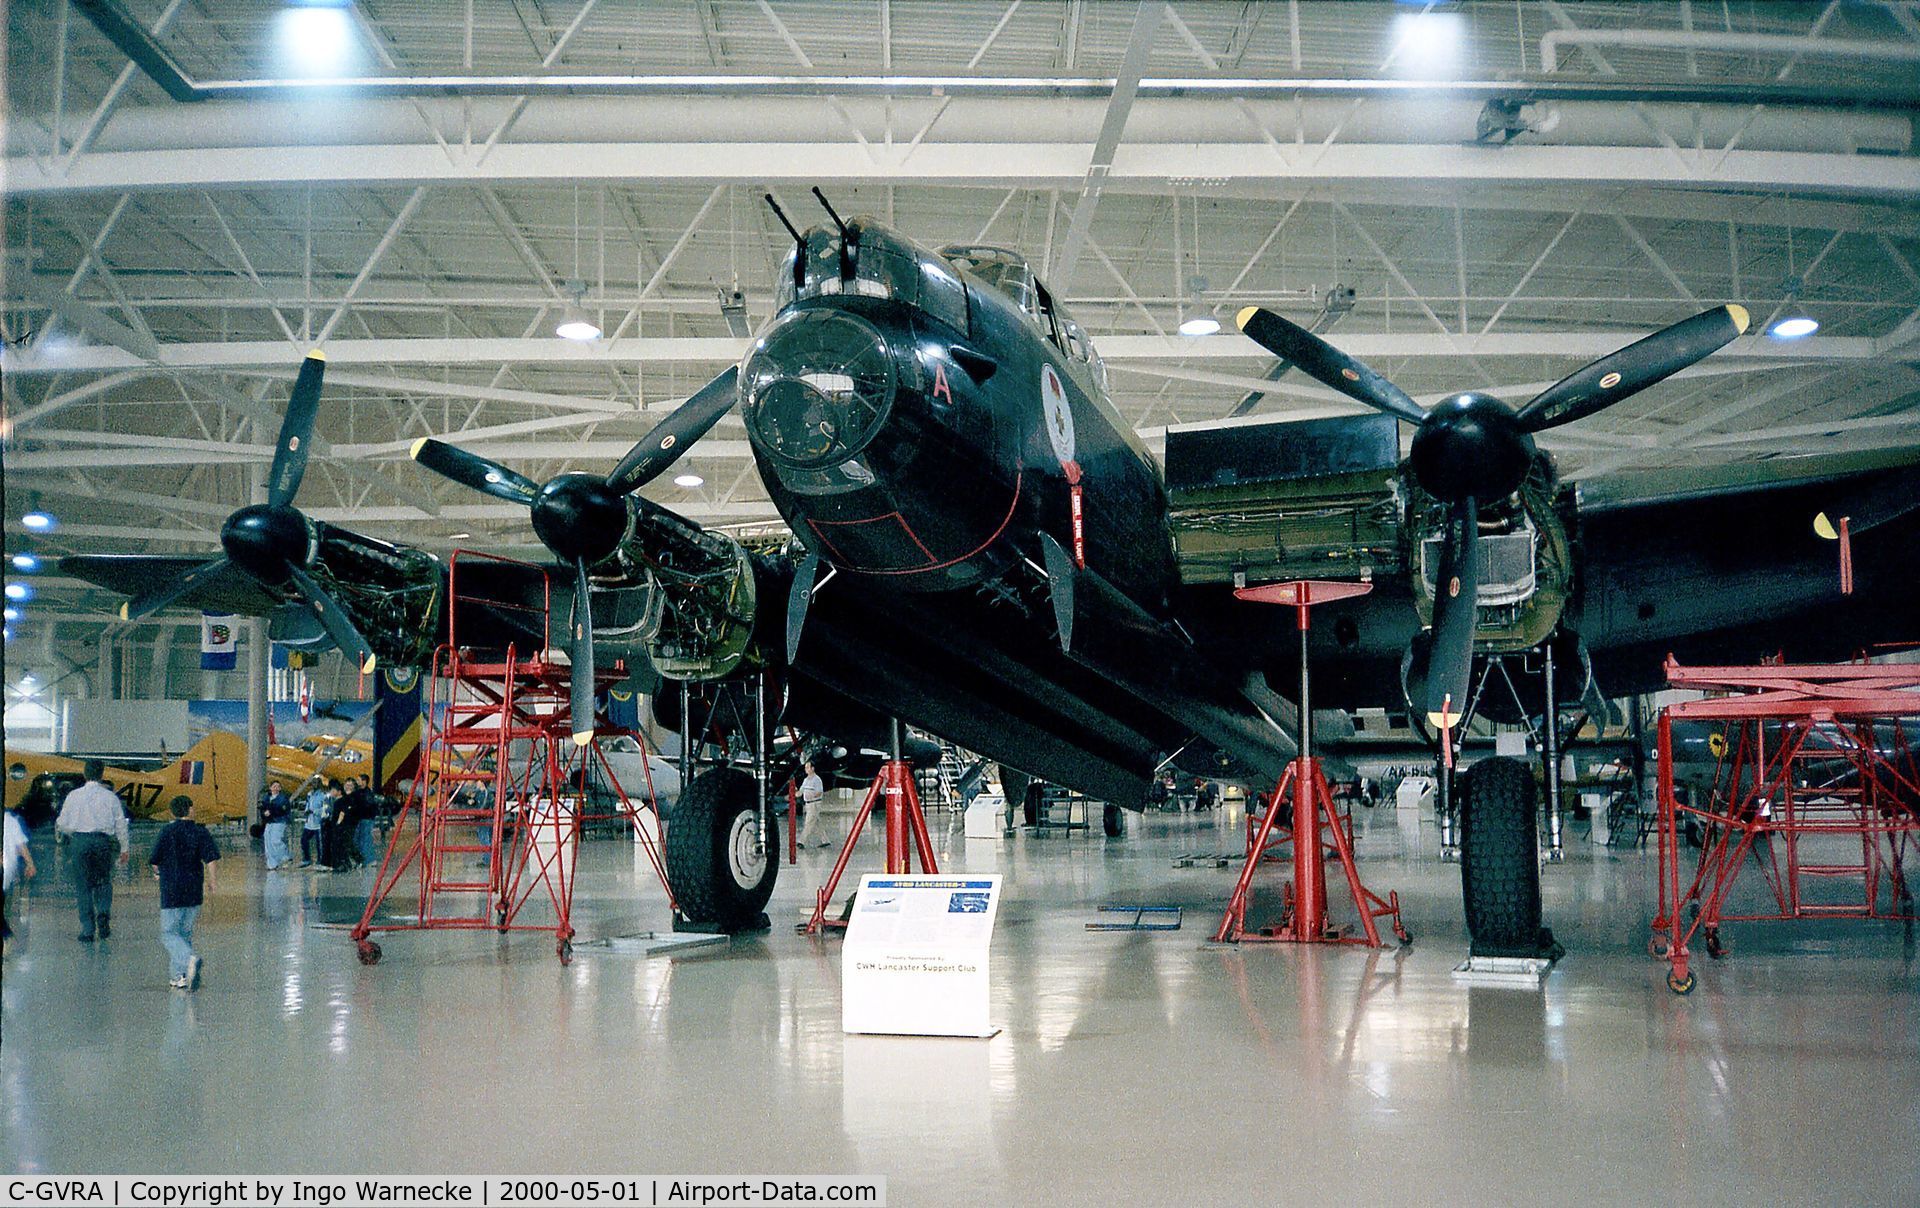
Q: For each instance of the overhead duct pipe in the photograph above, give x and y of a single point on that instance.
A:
(138, 44)
(1787, 45)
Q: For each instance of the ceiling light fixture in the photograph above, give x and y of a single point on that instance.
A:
(26, 562)
(688, 480)
(1794, 322)
(1200, 325)
(12, 614)
(19, 591)
(575, 323)
(458, 536)
(39, 522)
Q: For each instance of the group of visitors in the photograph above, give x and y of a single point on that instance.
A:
(337, 834)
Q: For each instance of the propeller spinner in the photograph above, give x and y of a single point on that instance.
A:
(1471, 448)
(583, 518)
(274, 543)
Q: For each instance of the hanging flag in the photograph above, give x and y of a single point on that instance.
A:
(397, 725)
(219, 641)
(306, 700)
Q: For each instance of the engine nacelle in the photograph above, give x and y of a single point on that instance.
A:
(701, 596)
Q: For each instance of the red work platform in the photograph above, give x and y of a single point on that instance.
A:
(894, 790)
(1316, 826)
(1813, 763)
(494, 817)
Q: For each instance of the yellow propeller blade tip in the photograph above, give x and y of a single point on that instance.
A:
(125, 614)
(582, 737)
(1443, 721)
(414, 451)
(1245, 316)
(316, 355)
(366, 668)
(1825, 527)
(1739, 315)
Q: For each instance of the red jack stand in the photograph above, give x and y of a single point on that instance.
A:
(904, 818)
(1317, 826)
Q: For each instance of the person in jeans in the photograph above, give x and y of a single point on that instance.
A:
(319, 804)
(273, 826)
(16, 863)
(183, 860)
(96, 825)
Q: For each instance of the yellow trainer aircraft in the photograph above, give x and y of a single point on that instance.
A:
(213, 773)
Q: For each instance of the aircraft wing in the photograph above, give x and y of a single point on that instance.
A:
(133, 574)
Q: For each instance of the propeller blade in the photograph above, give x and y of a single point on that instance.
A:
(670, 438)
(580, 651)
(1456, 600)
(296, 432)
(1326, 364)
(1871, 504)
(334, 619)
(149, 602)
(473, 470)
(1634, 368)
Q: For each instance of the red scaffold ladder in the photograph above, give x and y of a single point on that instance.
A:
(1816, 786)
(493, 820)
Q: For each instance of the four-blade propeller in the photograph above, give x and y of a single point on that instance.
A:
(272, 542)
(583, 518)
(1473, 448)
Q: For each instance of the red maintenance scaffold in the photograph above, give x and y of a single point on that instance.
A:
(494, 817)
(1816, 786)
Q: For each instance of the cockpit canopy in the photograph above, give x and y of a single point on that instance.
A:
(884, 265)
(1010, 274)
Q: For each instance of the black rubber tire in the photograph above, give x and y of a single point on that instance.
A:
(1112, 822)
(1500, 860)
(699, 864)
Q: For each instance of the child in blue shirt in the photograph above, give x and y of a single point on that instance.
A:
(183, 859)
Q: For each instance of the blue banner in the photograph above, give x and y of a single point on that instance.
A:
(397, 727)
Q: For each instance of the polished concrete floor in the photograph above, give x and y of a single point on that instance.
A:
(1132, 1068)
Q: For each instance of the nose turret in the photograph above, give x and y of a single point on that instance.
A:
(819, 385)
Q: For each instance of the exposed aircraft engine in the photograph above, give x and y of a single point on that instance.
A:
(702, 594)
(392, 593)
(1526, 560)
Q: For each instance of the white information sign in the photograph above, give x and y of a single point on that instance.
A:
(915, 961)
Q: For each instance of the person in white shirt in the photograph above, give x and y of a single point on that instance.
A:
(15, 862)
(812, 793)
(96, 826)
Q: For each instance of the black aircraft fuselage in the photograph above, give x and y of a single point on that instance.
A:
(923, 422)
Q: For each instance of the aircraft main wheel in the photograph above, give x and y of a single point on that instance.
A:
(720, 875)
(1111, 822)
(1500, 861)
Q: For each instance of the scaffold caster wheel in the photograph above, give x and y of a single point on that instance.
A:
(368, 952)
(1404, 936)
(1680, 985)
(565, 951)
(1715, 948)
(1659, 946)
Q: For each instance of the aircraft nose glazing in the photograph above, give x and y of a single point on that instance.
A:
(819, 386)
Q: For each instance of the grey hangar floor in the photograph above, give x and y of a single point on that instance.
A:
(1148, 1068)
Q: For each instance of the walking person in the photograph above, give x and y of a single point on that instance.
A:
(183, 859)
(362, 808)
(813, 793)
(96, 826)
(318, 803)
(16, 864)
(273, 826)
